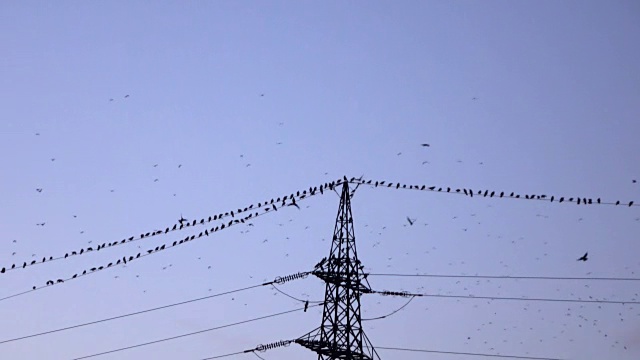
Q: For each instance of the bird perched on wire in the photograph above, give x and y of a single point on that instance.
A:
(583, 257)
(306, 305)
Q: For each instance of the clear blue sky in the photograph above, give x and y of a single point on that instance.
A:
(529, 96)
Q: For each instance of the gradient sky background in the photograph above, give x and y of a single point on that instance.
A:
(350, 88)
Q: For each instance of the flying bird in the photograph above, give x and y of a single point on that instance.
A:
(126, 96)
(411, 221)
(584, 257)
(425, 145)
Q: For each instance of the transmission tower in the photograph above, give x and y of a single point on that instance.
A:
(341, 335)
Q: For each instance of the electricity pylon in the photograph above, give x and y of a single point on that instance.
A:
(341, 335)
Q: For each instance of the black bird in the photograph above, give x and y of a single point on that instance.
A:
(411, 221)
(584, 257)
(306, 305)
(181, 219)
(126, 96)
(425, 145)
(294, 204)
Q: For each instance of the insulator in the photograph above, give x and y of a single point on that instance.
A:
(282, 280)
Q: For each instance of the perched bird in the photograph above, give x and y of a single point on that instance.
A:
(306, 305)
(584, 257)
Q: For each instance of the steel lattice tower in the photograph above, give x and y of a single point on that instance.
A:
(341, 335)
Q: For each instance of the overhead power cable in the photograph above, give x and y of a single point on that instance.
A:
(277, 280)
(267, 205)
(391, 313)
(471, 297)
(225, 355)
(467, 353)
(190, 334)
(295, 298)
(506, 277)
(491, 193)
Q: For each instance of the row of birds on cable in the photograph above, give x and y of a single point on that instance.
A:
(487, 193)
(183, 223)
(287, 200)
(207, 232)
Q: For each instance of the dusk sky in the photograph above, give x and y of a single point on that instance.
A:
(119, 117)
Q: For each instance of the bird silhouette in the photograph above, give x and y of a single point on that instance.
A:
(425, 145)
(411, 221)
(583, 257)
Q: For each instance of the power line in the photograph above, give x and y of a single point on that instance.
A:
(391, 313)
(294, 298)
(190, 334)
(498, 194)
(165, 246)
(225, 355)
(406, 294)
(267, 206)
(132, 314)
(467, 353)
(509, 277)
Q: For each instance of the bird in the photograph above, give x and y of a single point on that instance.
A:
(634, 181)
(425, 145)
(182, 219)
(126, 96)
(306, 305)
(583, 257)
(294, 204)
(39, 190)
(410, 221)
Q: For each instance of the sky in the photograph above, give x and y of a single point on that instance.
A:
(129, 115)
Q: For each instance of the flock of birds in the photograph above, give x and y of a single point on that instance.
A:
(287, 200)
(248, 213)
